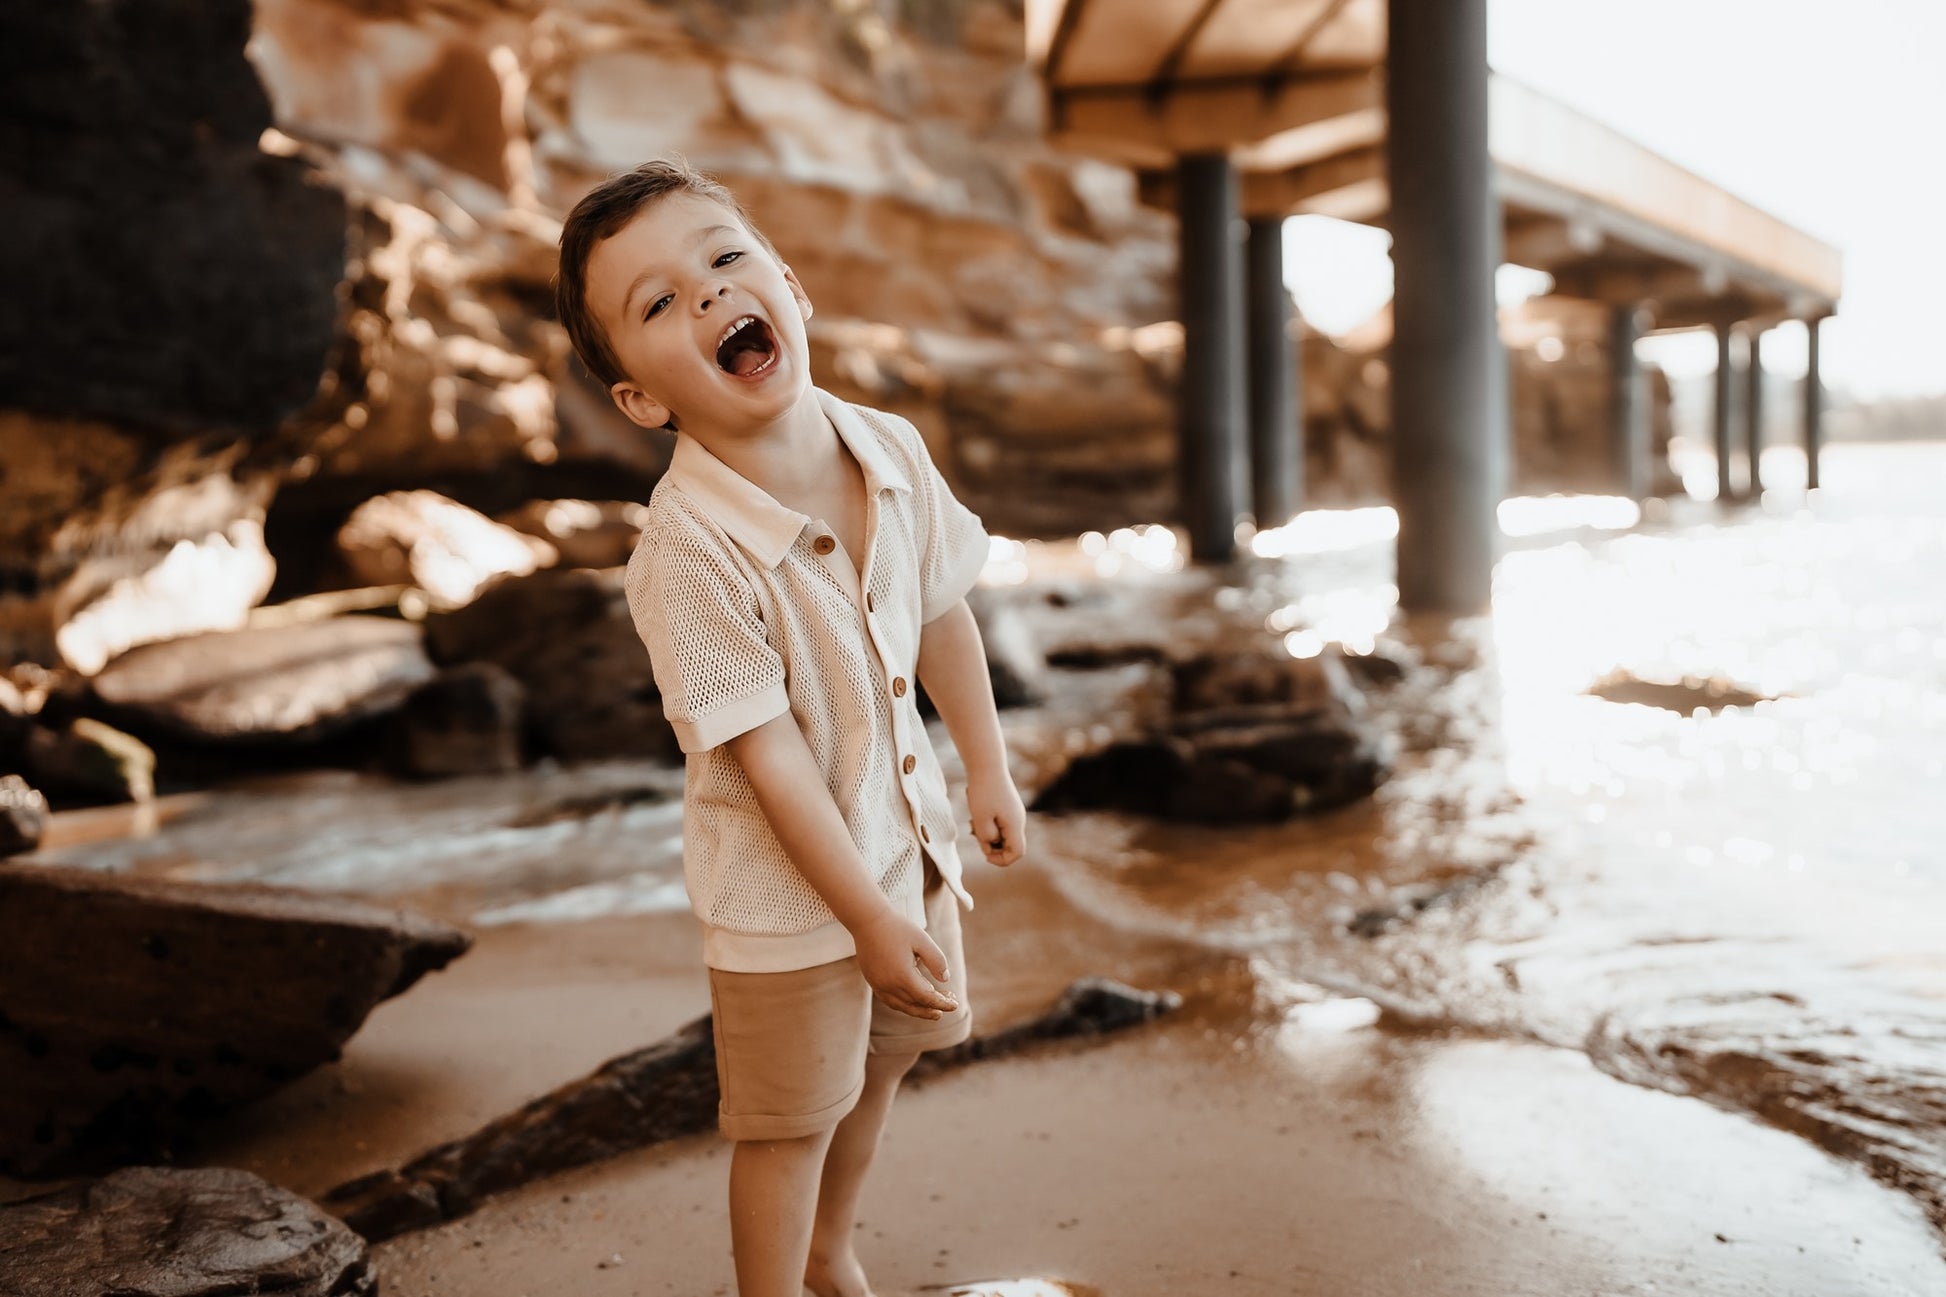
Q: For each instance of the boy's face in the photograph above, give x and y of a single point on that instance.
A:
(668, 287)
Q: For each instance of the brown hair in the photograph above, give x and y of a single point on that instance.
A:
(602, 212)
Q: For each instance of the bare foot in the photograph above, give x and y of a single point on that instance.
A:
(837, 1276)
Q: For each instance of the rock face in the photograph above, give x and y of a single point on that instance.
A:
(285, 684)
(153, 1231)
(191, 998)
(149, 240)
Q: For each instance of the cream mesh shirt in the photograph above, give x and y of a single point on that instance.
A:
(750, 610)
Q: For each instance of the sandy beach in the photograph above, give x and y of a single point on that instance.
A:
(1238, 1147)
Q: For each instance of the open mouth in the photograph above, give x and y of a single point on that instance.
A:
(747, 348)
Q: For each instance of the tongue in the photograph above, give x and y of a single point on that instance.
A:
(748, 350)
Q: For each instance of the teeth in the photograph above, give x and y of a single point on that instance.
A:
(748, 319)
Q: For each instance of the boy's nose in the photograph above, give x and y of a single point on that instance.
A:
(710, 295)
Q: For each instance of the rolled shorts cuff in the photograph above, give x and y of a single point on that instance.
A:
(768, 1125)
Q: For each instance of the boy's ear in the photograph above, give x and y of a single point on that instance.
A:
(639, 406)
(797, 291)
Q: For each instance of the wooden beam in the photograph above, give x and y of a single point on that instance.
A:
(1206, 115)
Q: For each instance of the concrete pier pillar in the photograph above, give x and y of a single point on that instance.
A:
(1628, 412)
(1449, 450)
(1213, 457)
(1276, 427)
(1813, 405)
(1725, 410)
(1753, 412)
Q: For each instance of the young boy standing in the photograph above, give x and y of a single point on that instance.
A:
(802, 562)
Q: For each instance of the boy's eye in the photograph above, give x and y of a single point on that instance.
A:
(727, 258)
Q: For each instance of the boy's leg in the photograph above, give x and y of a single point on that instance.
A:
(896, 1040)
(790, 1055)
(773, 1193)
(834, 1270)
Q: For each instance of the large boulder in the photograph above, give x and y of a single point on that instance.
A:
(156, 1231)
(289, 684)
(465, 721)
(131, 1008)
(567, 636)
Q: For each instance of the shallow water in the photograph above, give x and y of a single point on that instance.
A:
(1745, 903)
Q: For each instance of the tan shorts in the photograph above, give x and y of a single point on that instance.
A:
(791, 1046)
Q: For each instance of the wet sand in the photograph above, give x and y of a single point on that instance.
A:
(1239, 1147)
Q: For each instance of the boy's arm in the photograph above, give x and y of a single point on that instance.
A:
(952, 666)
(790, 789)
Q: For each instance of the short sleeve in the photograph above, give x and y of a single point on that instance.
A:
(703, 628)
(956, 541)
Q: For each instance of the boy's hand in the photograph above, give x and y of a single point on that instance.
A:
(999, 819)
(886, 948)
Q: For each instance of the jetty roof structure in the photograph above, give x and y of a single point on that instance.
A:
(1384, 112)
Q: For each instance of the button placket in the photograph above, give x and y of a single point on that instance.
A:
(901, 740)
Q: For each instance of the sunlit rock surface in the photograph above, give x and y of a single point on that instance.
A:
(158, 1231)
(422, 539)
(23, 815)
(266, 684)
(192, 998)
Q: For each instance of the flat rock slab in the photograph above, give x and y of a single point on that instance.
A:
(664, 1091)
(131, 1008)
(151, 1231)
(288, 683)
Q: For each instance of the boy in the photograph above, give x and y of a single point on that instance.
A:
(802, 560)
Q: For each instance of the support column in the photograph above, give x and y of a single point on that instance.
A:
(1753, 412)
(1628, 424)
(1725, 403)
(1813, 405)
(1213, 468)
(1276, 428)
(1449, 434)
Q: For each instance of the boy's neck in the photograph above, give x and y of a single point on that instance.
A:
(783, 457)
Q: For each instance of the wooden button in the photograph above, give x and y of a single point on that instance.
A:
(923, 835)
(898, 686)
(868, 601)
(910, 761)
(824, 544)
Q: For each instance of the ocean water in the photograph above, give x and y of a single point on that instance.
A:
(1584, 844)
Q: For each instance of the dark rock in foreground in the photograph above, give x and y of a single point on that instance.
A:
(129, 1009)
(152, 1231)
(1254, 737)
(662, 1092)
(285, 684)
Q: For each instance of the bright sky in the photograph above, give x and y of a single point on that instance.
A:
(1827, 116)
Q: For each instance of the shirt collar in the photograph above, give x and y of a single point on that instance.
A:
(751, 516)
